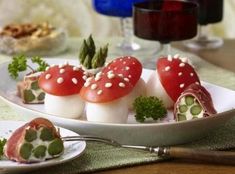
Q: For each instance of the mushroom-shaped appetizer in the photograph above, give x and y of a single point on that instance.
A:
(194, 102)
(62, 84)
(37, 140)
(174, 74)
(130, 69)
(105, 95)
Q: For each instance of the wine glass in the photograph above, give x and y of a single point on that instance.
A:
(123, 10)
(210, 11)
(165, 21)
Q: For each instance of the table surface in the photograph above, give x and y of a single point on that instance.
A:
(224, 57)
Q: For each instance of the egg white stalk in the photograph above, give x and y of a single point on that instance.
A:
(110, 112)
(155, 88)
(71, 106)
(138, 90)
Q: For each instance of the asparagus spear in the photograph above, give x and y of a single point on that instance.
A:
(89, 57)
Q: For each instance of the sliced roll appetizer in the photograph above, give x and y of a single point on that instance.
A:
(172, 77)
(62, 84)
(28, 89)
(35, 141)
(130, 69)
(194, 102)
(105, 98)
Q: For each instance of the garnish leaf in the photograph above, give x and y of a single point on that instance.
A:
(148, 107)
(19, 64)
(41, 63)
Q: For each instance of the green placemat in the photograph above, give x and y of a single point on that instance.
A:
(100, 156)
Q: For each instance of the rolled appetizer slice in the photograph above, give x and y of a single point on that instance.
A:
(173, 76)
(105, 95)
(29, 91)
(62, 84)
(35, 141)
(194, 102)
(130, 69)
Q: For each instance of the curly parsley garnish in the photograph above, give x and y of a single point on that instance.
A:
(19, 64)
(149, 107)
(41, 63)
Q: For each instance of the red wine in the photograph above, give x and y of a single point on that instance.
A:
(210, 11)
(165, 21)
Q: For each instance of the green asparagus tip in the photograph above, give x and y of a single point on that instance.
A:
(89, 57)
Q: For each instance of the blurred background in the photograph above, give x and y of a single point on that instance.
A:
(79, 18)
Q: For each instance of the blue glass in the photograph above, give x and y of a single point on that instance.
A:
(119, 8)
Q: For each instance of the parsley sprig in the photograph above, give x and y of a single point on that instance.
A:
(19, 64)
(41, 63)
(148, 107)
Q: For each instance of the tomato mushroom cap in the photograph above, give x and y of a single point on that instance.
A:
(128, 66)
(105, 87)
(62, 80)
(176, 75)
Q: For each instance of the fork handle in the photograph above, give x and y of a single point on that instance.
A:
(221, 157)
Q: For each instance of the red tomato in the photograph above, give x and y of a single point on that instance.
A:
(62, 81)
(175, 76)
(128, 66)
(105, 87)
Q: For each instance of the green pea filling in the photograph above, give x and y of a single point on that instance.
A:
(40, 151)
(46, 134)
(183, 108)
(181, 117)
(25, 150)
(41, 96)
(195, 110)
(28, 96)
(56, 147)
(189, 100)
(30, 135)
(34, 85)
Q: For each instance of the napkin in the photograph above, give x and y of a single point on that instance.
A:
(99, 156)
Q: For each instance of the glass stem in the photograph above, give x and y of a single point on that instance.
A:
(126, 26)
(166, 49)
(202, 32)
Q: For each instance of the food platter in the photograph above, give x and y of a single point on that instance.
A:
(132, 132)
(72, 150)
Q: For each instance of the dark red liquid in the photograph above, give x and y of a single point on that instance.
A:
(210, 11)
(165, 21)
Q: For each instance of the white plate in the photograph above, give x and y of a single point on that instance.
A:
(167, 133)
(72, 150)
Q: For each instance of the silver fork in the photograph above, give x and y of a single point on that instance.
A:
(221, 157)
